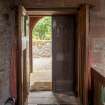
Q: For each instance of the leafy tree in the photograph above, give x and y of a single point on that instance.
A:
(42, 30)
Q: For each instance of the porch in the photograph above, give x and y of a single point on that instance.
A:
(78, 51)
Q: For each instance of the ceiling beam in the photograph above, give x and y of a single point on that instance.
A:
(54, 4)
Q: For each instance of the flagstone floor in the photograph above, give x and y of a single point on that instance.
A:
(50, 98)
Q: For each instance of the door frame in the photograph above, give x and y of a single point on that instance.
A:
(82, 51)
(19, 12)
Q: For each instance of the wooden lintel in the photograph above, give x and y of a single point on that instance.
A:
(51, 4)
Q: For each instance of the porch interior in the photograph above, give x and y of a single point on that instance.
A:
(16, 52)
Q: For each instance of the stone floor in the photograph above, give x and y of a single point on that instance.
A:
(50, 98)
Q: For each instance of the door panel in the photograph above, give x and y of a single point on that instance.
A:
(63, 53)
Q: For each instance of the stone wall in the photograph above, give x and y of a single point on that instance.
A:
(42, 49)
(97, 34)
(6, 42)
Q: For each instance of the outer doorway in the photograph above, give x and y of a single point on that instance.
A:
(81, 61)
(63, 56)
(63, 61)
(63, 53)
(41, 75)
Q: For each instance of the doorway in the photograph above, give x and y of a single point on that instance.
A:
(80, 62)
(62, 62)
(41, 76)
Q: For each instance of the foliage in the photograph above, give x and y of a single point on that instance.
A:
(42, 30)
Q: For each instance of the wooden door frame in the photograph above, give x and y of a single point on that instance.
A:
(18, 55)
(84, 10)
(74, 14)
(83, 53)
(18, 14)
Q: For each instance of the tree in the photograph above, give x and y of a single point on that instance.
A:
(43, 29)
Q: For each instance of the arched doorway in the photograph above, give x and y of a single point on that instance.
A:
(41, 75)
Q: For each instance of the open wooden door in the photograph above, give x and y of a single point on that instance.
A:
(22, 57)
(63, 49)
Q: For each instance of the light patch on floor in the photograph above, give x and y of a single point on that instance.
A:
(41, 80)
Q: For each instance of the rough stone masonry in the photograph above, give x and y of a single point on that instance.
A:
(6, 37)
